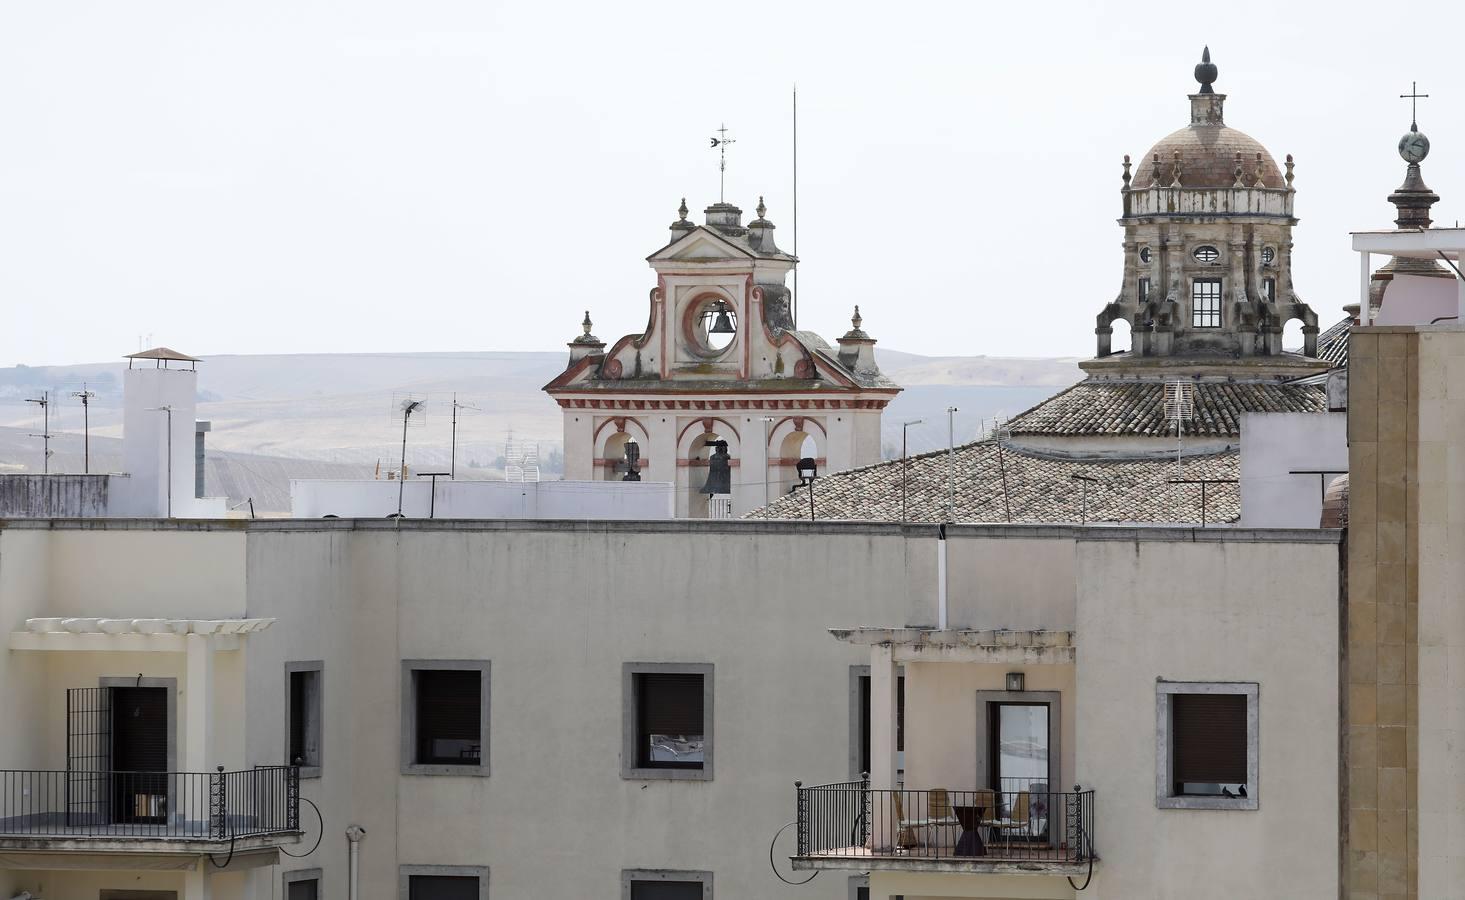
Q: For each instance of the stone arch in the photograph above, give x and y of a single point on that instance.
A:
(789, 440)
(692, 455)
(610, 440)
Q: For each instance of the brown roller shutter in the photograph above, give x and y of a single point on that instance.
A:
(448, 714)
(1209, 733)
(670, 704)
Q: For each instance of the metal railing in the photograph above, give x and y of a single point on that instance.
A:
(849, 819)
(213, 806)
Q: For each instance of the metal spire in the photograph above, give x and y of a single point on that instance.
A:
(721, 143)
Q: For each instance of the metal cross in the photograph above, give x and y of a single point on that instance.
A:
(1414, 96)
(721, 144)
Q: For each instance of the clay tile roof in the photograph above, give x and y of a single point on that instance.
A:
(162, 353)
(1332, 345)
(1138, 408)
(1039, 489)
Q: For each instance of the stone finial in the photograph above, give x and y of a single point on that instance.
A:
(1259, 170)
(1239, 182)
(856, 320)
(1289, 171)
(1155, 180)
(1206, 72)
(1175, 174)
(1126, 170)
(761, 210)
(587, 323)
(682, 211)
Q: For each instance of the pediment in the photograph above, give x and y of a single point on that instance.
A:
(701, 243)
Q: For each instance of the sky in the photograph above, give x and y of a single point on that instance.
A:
(288, 176)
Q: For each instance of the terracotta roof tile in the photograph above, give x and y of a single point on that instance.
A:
(1095, 407)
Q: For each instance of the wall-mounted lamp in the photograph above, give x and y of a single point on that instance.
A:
(1014, 681)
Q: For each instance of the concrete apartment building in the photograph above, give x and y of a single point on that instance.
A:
(555, 635)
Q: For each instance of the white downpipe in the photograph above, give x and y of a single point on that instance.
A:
(354, 834)
(941, 580)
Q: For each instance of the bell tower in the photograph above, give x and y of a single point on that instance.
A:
(721, 382)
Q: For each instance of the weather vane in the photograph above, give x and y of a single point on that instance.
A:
(721, 144)
(1414, 96)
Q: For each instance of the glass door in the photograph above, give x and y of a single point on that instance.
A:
(1022, 766)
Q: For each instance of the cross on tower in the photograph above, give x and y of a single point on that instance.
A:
(1414, 96)
(721, 144)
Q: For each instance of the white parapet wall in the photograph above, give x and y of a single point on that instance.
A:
(374, 499)
(1276, 450)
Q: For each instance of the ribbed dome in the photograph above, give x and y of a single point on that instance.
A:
(1208, 159)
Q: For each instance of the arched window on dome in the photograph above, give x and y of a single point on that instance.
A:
(1122, 340)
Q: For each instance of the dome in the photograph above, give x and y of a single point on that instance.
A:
(1208, 159)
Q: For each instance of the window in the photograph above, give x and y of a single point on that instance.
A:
(1206, 745)
(1144, 255)
(1206, 254)
(663, 884)
(667, 721)
(859, 888)
(1205, 303)
(1269, 255)
(302, 885)
(445, 705)
(860, 721)
(303, 716)
(443, 883)
(1144, 291)
(1269, 287)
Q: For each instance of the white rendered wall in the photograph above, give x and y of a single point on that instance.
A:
(146, 446)
(1276, 444)
(372, 499)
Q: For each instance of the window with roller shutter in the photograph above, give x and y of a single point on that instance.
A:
(445, 727)
(668, 721)
(1207, 745)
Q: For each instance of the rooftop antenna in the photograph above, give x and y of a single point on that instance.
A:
(1179, 408)
(453, 451)
(44, 402)
(905, 464)
(721, 143)
(406, 405)
(85, 397)
(1000, 433)
(795, 305)
(951, 463)
(521, 460)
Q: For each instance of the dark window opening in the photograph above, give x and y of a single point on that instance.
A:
(305, 705)
(1208, 734)
(865, 716)
(1205, 303)
(1207, 254)
(666, 890)
(442, 887)
(1269, 287)
(1144, 291)
(308, 889)
(669, 720)
(449, 720)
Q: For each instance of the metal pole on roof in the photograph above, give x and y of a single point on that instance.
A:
(905, 464)
(950, 463)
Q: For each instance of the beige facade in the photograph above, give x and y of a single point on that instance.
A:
(558, 610)
(1405, 626)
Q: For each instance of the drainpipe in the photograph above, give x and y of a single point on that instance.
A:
(354, 834)
(941, 579)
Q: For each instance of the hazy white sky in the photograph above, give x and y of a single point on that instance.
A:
(299, 176)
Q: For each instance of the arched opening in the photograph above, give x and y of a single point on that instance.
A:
(711, 325)
(1122, 340)
(1292, 338)
(614, 455)
(793, 447)
(701, 472)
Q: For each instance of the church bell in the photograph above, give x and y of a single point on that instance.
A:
(722, 324)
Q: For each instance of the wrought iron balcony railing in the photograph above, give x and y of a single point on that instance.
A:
(172, 806)
(849, 820)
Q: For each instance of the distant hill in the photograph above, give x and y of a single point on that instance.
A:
(279, 414)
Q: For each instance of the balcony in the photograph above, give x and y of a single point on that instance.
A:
(850, 826)
(150, 812)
